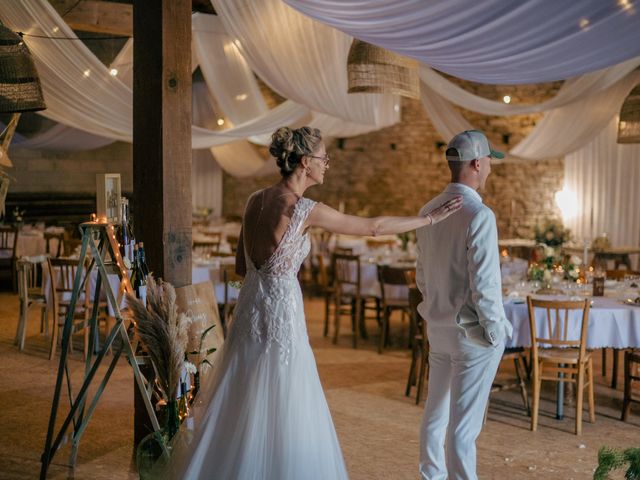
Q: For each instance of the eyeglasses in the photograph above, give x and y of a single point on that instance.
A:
(325, 159)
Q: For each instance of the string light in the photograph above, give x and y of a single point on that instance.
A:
(506, 99)
(87, 73)
(113, 72)
(584, 23)
(220, 121)
(241, 97)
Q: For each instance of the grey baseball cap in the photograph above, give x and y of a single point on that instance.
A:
(469, 145)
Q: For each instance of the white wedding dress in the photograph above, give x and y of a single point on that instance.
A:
(262, 414)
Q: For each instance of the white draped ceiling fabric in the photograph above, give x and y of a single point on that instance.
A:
(494, 41)
(498, 41)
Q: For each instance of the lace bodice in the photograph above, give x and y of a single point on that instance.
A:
(270, 308)
(294, 245)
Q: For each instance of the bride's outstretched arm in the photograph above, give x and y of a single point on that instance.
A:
(336, 222)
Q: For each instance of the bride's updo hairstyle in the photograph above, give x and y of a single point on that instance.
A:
(289, 146)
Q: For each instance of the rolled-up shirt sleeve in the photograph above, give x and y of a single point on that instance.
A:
(484, 276)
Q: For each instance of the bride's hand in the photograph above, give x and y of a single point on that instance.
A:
(446, 209)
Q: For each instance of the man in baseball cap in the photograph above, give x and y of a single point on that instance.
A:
(458, 273)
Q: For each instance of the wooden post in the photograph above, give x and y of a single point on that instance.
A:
(162, 140)
(162, 136)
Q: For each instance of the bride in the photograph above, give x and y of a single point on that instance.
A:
(262, 413)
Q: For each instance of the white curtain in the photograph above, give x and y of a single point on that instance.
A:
(603, 177)
(493, 41)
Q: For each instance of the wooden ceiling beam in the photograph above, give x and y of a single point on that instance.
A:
(97, 16)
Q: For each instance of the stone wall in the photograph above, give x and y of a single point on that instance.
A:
(397, 169)
(41, 171)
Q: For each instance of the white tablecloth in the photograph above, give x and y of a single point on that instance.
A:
(611, 323)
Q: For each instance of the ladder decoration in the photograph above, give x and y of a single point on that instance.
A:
(107, 248)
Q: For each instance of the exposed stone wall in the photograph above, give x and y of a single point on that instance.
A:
(397, 169)
(42, 171)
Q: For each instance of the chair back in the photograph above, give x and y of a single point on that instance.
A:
(375, 243)
(8, 241)
(394, 276)
(50, 239)
(343, 250)
(207, 247)
(70, 245)
(415, 297)
(228, 275)
(324, 279)
(346, 270)
(62, 274)
(30, 270)
(621, 274)
(557, 327)
(233, 242)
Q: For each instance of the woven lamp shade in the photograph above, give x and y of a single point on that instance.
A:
(629, 124)
(20, 89)
(372, 69)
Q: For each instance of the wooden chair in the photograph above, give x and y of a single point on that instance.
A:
(30, 292)
(233, 242)
(327, 290)
(349, 298)
(566, 360)
(209, 247)
(8, 258)
(377, 243)
(228, 275)
(631, 375)
(343, 250)
(50, 239)
(621, 274)
(62, 273)
(420, 347)
(70, 245)
(392, 277)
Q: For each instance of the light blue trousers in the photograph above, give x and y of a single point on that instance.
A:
(461, 373)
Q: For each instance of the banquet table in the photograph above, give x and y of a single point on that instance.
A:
(31, 243)
(612, 324)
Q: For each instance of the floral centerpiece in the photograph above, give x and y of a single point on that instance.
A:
(18, 215)
(571, 268)
(552, 234)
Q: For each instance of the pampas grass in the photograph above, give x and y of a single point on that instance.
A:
(162, 331)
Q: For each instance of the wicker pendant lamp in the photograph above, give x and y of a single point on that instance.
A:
(372, 69)
(20, 89)
(629, 123)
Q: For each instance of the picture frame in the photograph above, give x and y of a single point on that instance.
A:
(108, 193)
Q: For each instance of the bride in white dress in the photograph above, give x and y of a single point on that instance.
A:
(262, 414)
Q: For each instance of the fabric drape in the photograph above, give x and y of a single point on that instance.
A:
(494, 41)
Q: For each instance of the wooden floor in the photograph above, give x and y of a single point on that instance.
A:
(377, 425)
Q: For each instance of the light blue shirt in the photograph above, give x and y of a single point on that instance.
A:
(458, 271)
